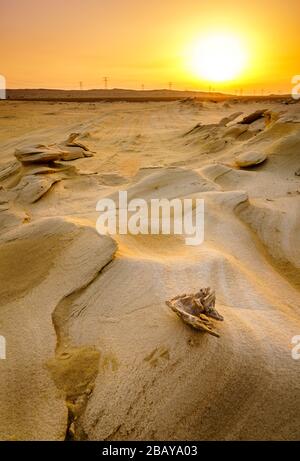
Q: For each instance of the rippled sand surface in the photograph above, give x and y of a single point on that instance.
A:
(93, 351)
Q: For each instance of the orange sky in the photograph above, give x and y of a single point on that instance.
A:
(48, 43)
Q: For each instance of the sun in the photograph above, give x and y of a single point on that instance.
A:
(218, 57)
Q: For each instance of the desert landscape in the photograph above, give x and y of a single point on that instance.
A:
(93, 350)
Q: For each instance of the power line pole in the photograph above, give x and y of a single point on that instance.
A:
(105, 80)
(143, 87)
(170, 86)
(81, 85)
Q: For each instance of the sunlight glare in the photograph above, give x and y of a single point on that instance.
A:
(218, 58)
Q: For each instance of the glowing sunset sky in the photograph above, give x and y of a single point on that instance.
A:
(48, 43)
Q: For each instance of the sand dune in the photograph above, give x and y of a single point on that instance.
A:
(93, 350)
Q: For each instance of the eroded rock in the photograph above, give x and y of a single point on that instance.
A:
(224, 121)
(250, 158)
(71, 142)
(9, 169)
(194, 309)
(253, 117)
(235, 131)
(32, 187)
(67, 150)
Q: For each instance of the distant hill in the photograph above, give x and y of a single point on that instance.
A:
(119, 94)
(113, 94)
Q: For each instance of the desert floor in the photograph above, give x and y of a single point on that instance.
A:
(93, 351)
